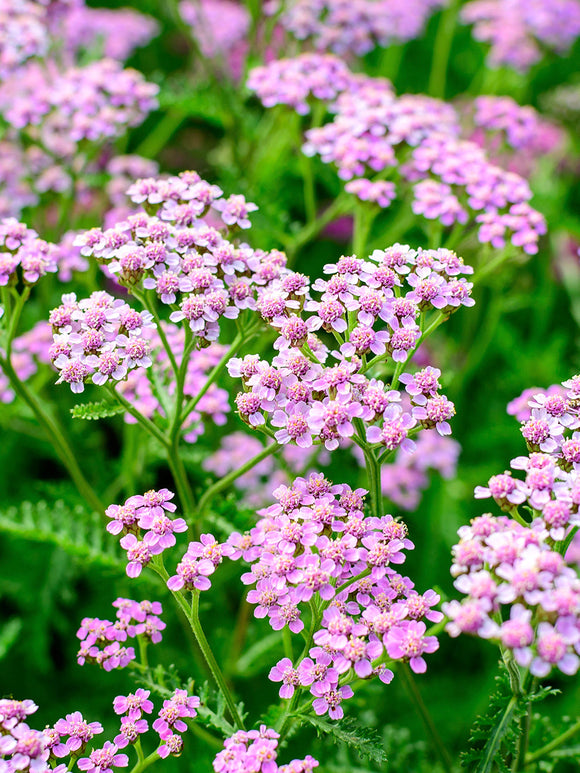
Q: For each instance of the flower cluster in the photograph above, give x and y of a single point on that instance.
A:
(518, 30)
(71, 735)
(256, 751)
(99, 338)
(179, 252)
(316, 549)
(296, 82)
(357, 26)
(146, 512)
(501, 565)
(551, 487)
(59, 113)
(96, 103)
(363, 304)
(23, 33)
(414, 138)
(24, 257)
(21, 747)
(218, 25)
(500, 561)
(198, 563)
(514, 136)
(170, 722)
(115, 33)
(100, 639)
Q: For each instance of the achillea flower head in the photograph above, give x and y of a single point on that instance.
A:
(374, 131)
(95, 342)
(257, 750)
(518, 29)
(503, 565)
(315, 543)
(347, 27)
(100, 638)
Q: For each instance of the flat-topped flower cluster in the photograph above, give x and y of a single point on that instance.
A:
(375, 309)
(39, 751)
(100, 639)
(504, 564)
(316, 550)
(100, 338)
(257, 751)
(24, 257)
(357, 26)
(178, 250)
(145, 515)
(413, 138)
(64, 102)
(519, 31)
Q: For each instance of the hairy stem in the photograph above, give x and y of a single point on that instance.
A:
(192, 616)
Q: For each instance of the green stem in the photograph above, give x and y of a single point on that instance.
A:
(363, 220)
(373, 471)
(145, 301)
(222, 484)
(544, 751)
(145, 763)
(211, 661)
(439, 319)
(240, 338)
(192, 615)
(442, 50)
(15, 319)
(143, 642)
(139, 750)
(179, 474)
(423, 711)
(287, 641)
(146, 423)
(309, 188)
(55, 435)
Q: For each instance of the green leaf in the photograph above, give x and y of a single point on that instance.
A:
(92, 411)
(365, 741)
(9, 634)
(73, 529)
(494, 735)
(213, 718)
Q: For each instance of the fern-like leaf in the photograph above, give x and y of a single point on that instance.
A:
(494, 735)
(71, 528)
(365, 741)
(93, 411)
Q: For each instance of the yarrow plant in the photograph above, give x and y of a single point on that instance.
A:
(244, 407)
